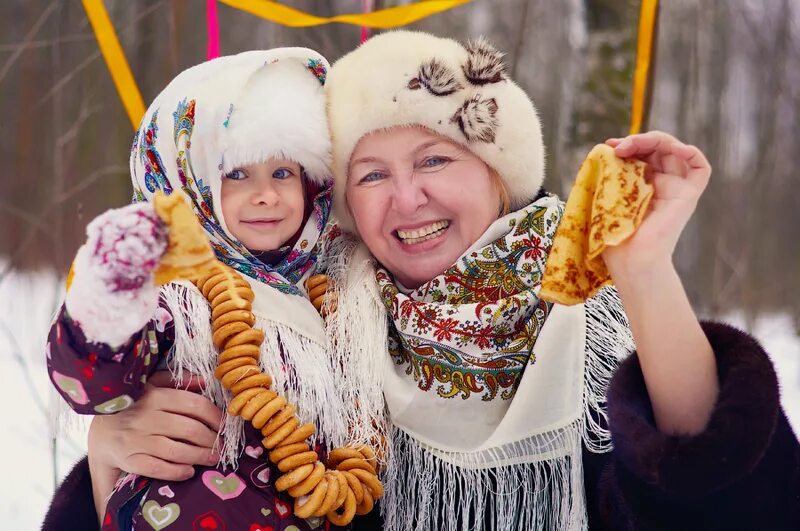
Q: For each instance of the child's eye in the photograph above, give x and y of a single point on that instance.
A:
(236, 175)
(282, 173)
(434, 161)
(372, 177)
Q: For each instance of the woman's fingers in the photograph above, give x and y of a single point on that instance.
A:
(653, 147)
(664, 154)
(647, 147)
(673, 165)
(698, 167)
(645, 144)
(187, 382)
(181, 428)
(178, 452)
(153, 467)
(183, 403)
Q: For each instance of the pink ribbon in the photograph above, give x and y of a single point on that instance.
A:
(365, 30)
(212, 28)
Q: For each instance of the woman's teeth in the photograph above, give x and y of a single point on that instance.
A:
(423, 233)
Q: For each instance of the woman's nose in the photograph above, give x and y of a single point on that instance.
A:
(408, 197)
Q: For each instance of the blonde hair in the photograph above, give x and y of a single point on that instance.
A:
(500, 186)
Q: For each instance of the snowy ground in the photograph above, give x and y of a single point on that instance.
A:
(26, 305)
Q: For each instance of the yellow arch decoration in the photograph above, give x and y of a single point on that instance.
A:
(115, 60)
(392, 17)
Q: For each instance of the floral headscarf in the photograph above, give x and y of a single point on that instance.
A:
(233, 111)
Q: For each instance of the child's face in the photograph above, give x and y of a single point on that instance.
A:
(263, 203)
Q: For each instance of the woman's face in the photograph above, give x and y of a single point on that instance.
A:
(419, 200)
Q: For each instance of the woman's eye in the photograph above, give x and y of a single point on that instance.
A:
(433, 162)
(282, 173)
(236, 175)
(371, 177)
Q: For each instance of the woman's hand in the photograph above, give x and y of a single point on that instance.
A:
(677, 361)
(679, 174)
(160, 436)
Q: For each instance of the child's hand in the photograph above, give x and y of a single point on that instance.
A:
(112, 294)
(126, 244)
(679, 173)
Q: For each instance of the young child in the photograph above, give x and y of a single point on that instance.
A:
(245, 140)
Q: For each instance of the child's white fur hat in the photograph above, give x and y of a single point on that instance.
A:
(227, 113)
(462, 92)
(249, 107)
(280, 112)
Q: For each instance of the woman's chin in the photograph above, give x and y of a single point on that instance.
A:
(422, 268)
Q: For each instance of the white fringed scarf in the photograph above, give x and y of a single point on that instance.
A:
(492, 393)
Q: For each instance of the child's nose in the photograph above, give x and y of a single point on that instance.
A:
(266, 195)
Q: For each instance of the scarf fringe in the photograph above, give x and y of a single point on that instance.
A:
(62, 421)
(301, 371)
(194, 352)
(357, 332)
(433, 490)
(608, 342)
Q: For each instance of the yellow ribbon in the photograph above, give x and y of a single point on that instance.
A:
(644, 50)
(392, 17)
(115, 60)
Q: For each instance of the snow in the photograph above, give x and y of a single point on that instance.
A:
(27, 304)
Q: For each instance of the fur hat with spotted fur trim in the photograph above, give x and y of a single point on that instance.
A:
(459, 91)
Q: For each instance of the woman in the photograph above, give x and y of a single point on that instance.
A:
(500, 417)
(499, 399)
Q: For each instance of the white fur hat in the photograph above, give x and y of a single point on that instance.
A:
(230, 112)
(280, 112)
(462, 92)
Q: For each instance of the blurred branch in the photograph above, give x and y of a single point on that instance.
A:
(60, 194)
(32, 45)
(66, 79)
(28, 37)
(29, 237)
(92, 57)
(90, 179)
(37, 223)
(71, 133)
(59, 164)
(737, 267)
(523, 20)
